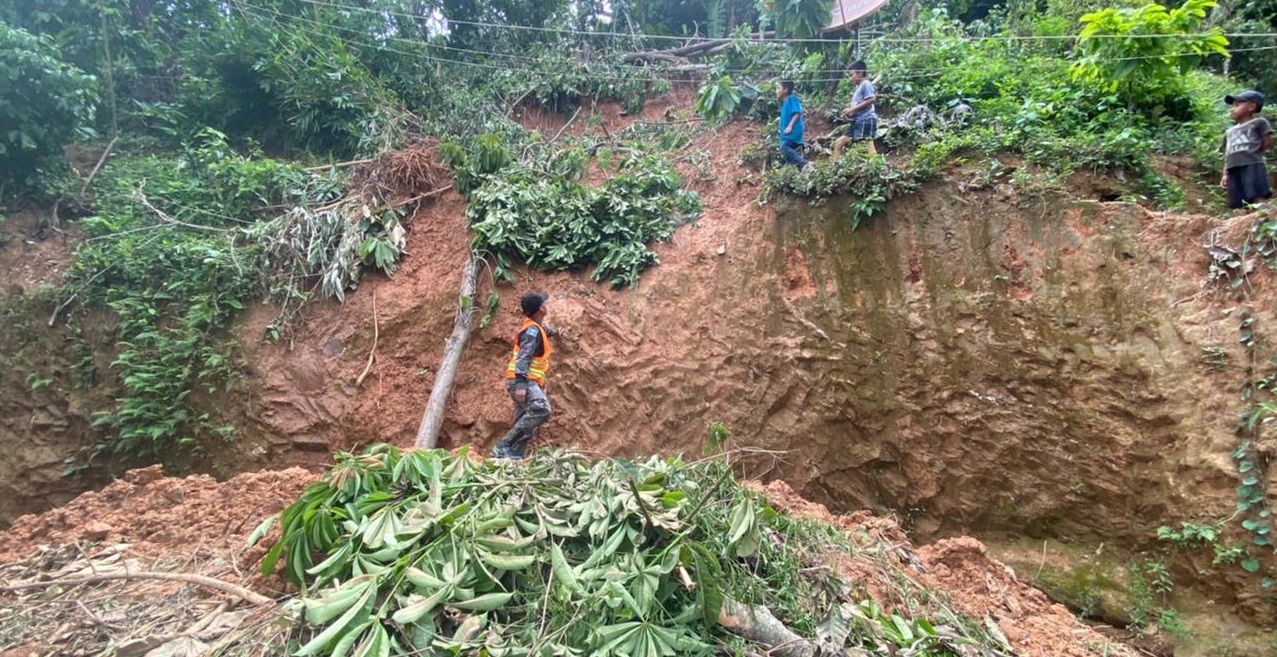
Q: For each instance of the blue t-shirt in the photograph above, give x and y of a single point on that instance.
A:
(791, 107)
(864, 90)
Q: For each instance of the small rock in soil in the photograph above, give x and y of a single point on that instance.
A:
(96, 531)
(310, 443)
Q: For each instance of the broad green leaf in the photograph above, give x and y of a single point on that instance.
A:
(335, 629)
(486, 602)
(337, 601)
(260, 531)
(419, 607)
(423, 579)
(507, 561)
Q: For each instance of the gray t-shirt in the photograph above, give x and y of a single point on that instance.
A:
(1243, 142)
(863, 90)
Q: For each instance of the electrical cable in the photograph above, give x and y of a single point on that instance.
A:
(273, 15)
(1004, 37)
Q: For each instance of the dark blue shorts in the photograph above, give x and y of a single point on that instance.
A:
(1248, 183)
(862, 129)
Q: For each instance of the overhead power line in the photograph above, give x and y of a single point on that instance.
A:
(629, 35)
(270, 14)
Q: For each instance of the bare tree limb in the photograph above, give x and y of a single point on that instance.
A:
(189, 578)
(164, 217)
(339, 165)
(699, 48)
(98, 166)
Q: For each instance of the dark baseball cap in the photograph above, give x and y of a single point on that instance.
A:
(532, 302)
(1246, 96)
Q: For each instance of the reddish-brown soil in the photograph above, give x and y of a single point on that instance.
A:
(162, 516)
(200, 519)
(32, 252)
(966, 576)
(976, 341)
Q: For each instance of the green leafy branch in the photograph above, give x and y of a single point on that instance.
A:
(439, 554)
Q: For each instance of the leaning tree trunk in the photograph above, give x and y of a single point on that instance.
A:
(432, 418)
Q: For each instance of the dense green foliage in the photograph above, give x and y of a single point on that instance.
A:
(1120, 52)
(44, 102)
(441, 554)
(533, 209)
(169, 255)
(1027, 99)
(797, 19)
(179, 243)
(1062, 107)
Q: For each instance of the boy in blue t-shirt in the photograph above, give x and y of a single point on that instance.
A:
(791, 125)
(864, 119)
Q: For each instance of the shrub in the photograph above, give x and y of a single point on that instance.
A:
(417, 553)
(1118, 55)
(169, 257)
(45, 103)
(554, 223)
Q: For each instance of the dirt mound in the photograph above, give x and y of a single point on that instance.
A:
(196, 523)
(159, 516)
(33, 252)
(960, 569)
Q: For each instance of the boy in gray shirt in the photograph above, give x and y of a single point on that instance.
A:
(1245, 176)
(864, 120)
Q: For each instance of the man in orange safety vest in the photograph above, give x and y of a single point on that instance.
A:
(529, 364)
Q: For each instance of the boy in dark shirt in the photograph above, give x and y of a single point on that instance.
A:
(791, 125)
(1245, 176)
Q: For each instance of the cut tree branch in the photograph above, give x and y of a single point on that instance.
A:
(164, 217)
(757, 624)
(98, 166)
(339, 165)
(432, 418)
(200, 580)
(678, 55)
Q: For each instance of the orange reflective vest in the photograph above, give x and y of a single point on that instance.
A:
(540, 365)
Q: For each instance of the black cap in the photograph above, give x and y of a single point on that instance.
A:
(531, 302)
(1246, 96)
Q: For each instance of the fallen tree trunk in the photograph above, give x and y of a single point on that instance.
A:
(699, 48)
(432, 418)
(759, 625)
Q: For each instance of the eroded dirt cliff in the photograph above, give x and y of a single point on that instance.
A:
(996, 361)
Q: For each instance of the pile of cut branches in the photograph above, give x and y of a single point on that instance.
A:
(81, 599)
(434, 553)
(331, 244)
